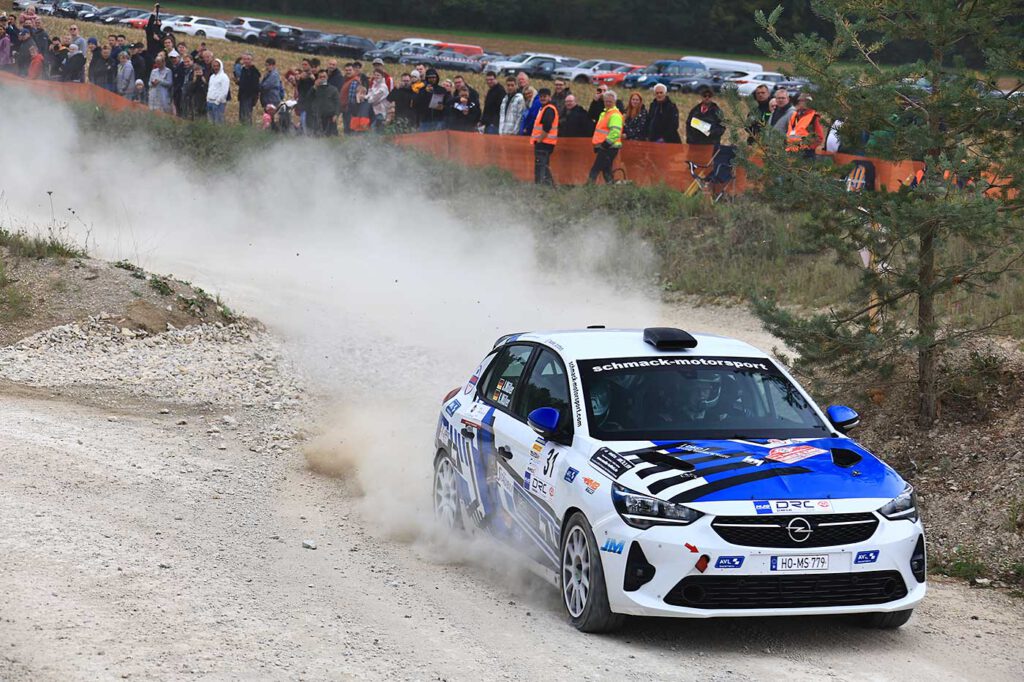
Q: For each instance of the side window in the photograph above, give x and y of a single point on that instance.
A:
(505, 374)
(547, 386)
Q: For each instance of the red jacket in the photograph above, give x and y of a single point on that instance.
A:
(35, 69)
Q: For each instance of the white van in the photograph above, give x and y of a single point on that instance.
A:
(420, 42)
(728, 64)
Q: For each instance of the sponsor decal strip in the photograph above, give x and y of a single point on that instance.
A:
(666, 483)
(732, 481)
(656, 469)
(534, 499)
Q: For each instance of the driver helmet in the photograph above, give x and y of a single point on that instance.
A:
(600, 401)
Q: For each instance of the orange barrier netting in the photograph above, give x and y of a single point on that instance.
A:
(643, 163)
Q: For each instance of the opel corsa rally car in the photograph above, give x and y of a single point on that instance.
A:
(658, 473)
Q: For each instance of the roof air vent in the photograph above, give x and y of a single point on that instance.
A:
(668, 338)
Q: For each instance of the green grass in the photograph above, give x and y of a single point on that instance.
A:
(13, 303)
(51, 245)
(964, 564)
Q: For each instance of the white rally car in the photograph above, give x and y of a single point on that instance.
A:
(657, 473)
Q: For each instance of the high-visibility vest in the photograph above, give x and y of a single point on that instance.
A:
(604, 126)
(538, 129)
(800, 129)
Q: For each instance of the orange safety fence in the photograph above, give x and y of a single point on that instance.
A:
(74, 92)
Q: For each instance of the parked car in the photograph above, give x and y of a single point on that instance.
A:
(519, 60)
(391, 52)
(73, 10)
(280, 36)
(454, 61)
(663, 71)
(420, 42)
(726, 64)
(339, 45)
(537, 67)
(616, 76)
(696, 82)
(246, 29)
(141, 21)
(462, 48)
(202, 27)
(44, 7)
(123, 13)
(414, 54)
(100, 14)
(745, 85)
(585, 70)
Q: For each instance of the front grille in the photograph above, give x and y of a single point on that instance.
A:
(787, 591)
(826, 530)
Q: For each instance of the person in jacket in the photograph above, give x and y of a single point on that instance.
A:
(22, 55)
(705, 122)
(431, 102)
(139, 64)
(544, 138)
(377, 95)
(459, 82)
(663, 118)
(779, 120)
(804, 134)
(195, 94)
(124, 83)
(154, 37)
(161, 83)
(77, 39)
(348, 94)
(463, 112)
(491, 116)
(324, 106)
(271, 89)
(248, 89)
(217, 89)
(512, 106)
(561, 91)
(102, 68)
(761, 113)
(597, 104)
(55, 58)
(607, 139)
(6, 59)
(634, 120)
(36, 64)
(575, 122)
(74, 66)
(532, 104)
(402, 99)
(360, 113)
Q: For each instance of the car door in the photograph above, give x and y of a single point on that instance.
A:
(531, 466)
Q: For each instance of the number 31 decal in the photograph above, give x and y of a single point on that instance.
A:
(549, 466)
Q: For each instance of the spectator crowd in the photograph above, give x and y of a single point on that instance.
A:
(320, 98)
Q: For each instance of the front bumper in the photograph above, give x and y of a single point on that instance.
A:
(744, 584)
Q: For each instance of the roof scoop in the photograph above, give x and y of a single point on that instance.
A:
(669, 338)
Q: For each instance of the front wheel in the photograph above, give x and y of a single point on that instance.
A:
(447, 506)
(584, 593)
(886, 621)
(201, 34)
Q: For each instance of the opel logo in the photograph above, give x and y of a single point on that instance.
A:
(799, 529)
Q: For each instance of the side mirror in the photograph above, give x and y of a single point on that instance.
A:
(842, 417)
(544, 420)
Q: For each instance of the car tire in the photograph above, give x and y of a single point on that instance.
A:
(581, 80)
(886, 621)
(447, 504)
(251, 40)
(581, 580)
(200, 34)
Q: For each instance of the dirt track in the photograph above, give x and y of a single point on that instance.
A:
(132, 547)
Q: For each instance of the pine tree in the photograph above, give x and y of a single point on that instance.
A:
(933, 245)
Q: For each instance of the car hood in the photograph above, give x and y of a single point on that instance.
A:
(734, 470)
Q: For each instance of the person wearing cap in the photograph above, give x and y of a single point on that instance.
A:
(804, 133)
(22, 56)
(139, 63)
(607, 139)
(705, 122)
(378, 64)
(248, 82)
(416, 80)
(74, 66)
(178, 72)
(544, 138)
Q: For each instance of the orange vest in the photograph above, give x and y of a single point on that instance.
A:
(604, 127)
(538, 129)
(799, 130)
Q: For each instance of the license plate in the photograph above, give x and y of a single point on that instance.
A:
(813, 562)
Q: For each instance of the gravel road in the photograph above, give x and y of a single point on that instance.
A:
(153, 539)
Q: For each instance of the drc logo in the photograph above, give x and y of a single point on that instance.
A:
(613, 546)
(762, 506)
(729, 562)
(868, 557)
(570, 474)
(452, 407)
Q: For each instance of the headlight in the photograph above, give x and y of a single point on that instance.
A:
(643, 511)
(903, 506)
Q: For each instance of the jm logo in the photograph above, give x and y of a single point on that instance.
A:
(614, 546)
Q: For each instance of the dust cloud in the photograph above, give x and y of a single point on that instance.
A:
(388, 296)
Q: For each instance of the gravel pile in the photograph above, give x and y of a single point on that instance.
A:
(215, 364)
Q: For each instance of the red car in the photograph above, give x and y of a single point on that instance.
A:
(614, 77)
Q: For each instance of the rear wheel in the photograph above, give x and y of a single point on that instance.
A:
(447, 506)
(201, 34)
(581, 80)
(251, 40)
(886, 621)
(584, 593)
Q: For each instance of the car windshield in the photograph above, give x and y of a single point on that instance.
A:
(587, 64)
(703, 398)
(623, 69)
